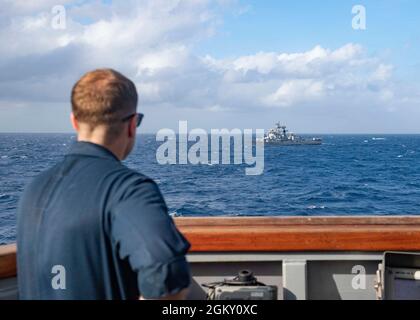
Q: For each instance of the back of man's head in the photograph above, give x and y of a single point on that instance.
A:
(103, 97)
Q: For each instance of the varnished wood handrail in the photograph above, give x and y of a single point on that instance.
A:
(282, 234)
(7, 261)
(288, 220)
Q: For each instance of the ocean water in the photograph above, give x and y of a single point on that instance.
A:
(347, 175)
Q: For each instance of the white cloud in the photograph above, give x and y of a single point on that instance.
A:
(382, 73)
(317, 76)
(295, 91)
(153, 43)
(168, 58)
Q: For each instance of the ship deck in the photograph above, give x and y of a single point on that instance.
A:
(305, 257)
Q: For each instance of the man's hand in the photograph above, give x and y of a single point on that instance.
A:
(182, 295)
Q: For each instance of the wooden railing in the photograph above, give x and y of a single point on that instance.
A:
(302, 233)
(282, 234)
(7, 261)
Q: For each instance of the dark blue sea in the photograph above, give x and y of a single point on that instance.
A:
(347, 175)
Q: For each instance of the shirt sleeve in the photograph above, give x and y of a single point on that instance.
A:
(146, 235)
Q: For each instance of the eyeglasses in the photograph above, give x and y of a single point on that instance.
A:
(139, 118)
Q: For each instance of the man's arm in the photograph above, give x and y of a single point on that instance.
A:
(146, 235)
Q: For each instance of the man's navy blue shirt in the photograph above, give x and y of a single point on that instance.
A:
(106, 226)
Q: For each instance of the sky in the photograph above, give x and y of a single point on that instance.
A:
(217, 64)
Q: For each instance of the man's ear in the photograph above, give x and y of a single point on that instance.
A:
(132, 127)
(74, 122)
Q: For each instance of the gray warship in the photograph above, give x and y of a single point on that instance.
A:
(280, 136)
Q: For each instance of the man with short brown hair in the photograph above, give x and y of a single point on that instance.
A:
(91, 228)
(104, 97)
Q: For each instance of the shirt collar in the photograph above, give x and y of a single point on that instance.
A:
(91, 149)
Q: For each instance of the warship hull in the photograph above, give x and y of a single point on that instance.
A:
(279, 136)
(295, 143)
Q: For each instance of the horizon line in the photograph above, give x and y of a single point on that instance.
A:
(301, 133)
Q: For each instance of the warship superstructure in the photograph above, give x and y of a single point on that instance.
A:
(281, 136)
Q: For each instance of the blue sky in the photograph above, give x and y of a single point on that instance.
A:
(393, 28)
(222, 63)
